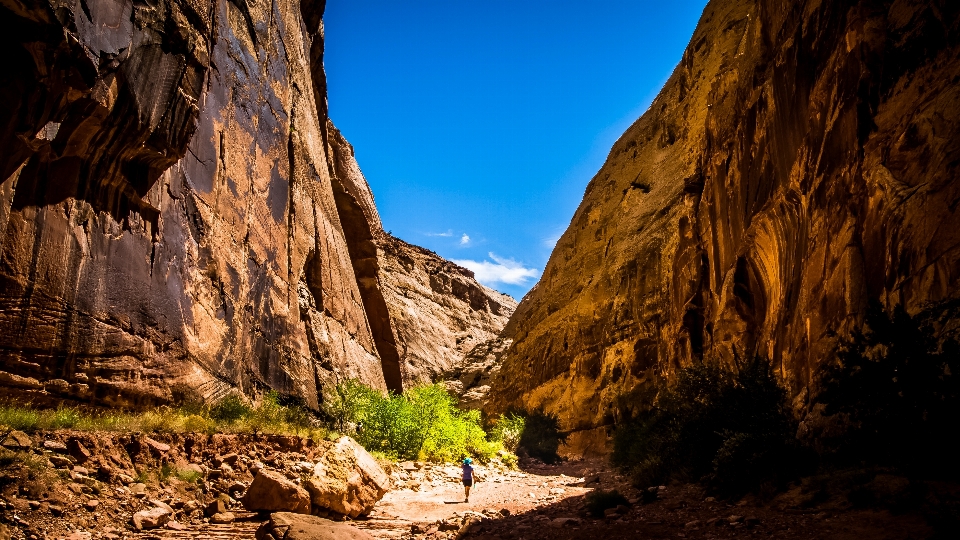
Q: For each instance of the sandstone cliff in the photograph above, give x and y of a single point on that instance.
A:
(179, 216)
(801, 160)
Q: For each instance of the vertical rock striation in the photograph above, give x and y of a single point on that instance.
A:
(801, 161)
(178, 216)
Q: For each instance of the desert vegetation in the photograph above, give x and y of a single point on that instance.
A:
(884, 415)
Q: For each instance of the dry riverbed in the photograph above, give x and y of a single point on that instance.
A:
(82, 486)
(548, 502)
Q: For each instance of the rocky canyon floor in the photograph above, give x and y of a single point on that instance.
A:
(49, 494)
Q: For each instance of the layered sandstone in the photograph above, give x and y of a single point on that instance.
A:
(801, 160)
(177, 213)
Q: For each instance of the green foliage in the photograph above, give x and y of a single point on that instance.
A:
(21, 418)
(422, 423)
(897, 392)
(346, 402)
(230, 409)
(274, 414)
(600, 500)
(189, 476)
(508, 429)
(732, 428)
(541, 436)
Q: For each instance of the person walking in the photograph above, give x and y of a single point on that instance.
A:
(468, 478)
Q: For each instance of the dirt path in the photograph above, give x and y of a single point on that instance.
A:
(547, 502)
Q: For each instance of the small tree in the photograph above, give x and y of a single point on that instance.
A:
(348, 402)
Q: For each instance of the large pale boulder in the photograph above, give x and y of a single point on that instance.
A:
(347, 480)
(271, 492)
(299, 527)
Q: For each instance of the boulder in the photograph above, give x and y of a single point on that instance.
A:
(300, 527)
(271, 492)
(347, 480)
(151, 519)
(17, 440)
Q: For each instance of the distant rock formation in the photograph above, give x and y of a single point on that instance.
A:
(802, 160)
(179, 217)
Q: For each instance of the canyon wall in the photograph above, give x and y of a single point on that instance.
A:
(179, 218)
(800, 162)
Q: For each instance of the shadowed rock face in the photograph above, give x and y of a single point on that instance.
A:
(177, 213)
(801, 161)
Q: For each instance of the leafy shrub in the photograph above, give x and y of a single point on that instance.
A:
(230, 409)
(600, 500)
(421, 423)
(897, 392)
(508, 429)
(731, 428)
(541, 436)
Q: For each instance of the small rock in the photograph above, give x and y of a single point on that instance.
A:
(559, 523)
(17, 440)
(734, 519)
(504, 512)
(156, 447)
(691, 524)
(81, 470)
(79, 535)
(710, 499)
(56, 510)
(151, 519)
(215, 507)
(176, 526)
(230, 459)
(55, 446)
(77, 450)
(223, 517)
(33, 504)
(60, 462)
(611, 513)
(92, 504)
(160, 504)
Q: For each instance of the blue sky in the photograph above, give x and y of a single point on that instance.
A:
(479, 124)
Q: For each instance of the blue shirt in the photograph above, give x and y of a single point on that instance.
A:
(467, 472)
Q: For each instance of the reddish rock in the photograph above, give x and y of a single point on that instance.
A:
(271, 492)
(800, 162)
(299, 527)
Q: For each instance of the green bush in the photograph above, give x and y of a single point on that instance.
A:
(895, 388)
(230, 409)
(732, 429)
(541, 437)
(422, 423)
(508, 429)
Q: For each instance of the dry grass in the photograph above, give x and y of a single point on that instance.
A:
(228, 416)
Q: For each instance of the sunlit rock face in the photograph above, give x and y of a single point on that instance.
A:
(178, 216)
(801, 161)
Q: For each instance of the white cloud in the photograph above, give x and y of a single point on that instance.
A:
(551, 241)
(448, 233)
(464, 240)
(501, 270)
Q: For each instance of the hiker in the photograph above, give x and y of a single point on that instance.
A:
(468, 478)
